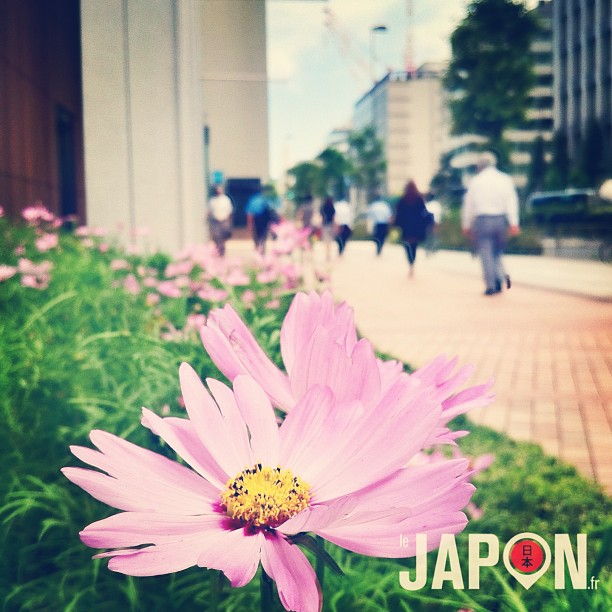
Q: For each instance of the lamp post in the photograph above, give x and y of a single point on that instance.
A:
(373, 31)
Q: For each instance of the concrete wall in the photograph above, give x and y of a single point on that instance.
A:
(234, 87)
(143, 118)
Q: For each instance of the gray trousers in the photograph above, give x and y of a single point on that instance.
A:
(491, 233)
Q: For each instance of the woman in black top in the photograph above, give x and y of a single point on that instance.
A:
(327, 212)
(413, 218)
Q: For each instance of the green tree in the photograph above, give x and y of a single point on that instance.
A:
(491, 70)
(308, 179)
(368, 160)
(336, 167)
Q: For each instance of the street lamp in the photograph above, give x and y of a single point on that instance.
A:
(374, 30)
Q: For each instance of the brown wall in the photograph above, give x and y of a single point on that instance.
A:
(40, 73)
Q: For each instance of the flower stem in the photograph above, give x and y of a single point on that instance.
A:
(320, 565)
(216, 588)
(266, 592)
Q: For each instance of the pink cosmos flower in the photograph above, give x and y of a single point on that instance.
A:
(337, 471)
(119, 264)
(319, 346)
(131, 284)
(7, 272)
(169, 289)
(46, 242)
(237, 277)
(212, 294)
(37, 213)
(248, 297)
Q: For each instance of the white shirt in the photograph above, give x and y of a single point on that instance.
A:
(344, 215)
(379, 212)
(220, 207)
(490, 192)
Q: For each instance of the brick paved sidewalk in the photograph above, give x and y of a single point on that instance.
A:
(550, 352)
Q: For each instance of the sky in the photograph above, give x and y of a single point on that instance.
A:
(317, 73)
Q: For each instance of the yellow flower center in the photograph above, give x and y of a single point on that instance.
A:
(265, 497)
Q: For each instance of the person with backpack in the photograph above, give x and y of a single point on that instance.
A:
(261, 212)
(414, 220)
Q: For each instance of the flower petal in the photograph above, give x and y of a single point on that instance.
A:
(237, 555)
(216, 434)
(235, 351)
(258, 414)
(295, 579)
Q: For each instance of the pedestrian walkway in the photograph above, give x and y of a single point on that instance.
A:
(547, 342)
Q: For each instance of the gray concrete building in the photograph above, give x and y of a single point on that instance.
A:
(539, 116)
(409, 114)
(582, 38)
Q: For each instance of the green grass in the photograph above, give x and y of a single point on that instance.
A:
(85, 354)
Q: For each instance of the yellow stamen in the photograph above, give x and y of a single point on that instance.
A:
(265, 497)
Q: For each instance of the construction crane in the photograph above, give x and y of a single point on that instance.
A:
(409, 51)
(358, 60)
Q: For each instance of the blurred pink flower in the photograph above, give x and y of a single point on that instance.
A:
(169, 289)
(178, 268)
(319, 346)
(248, 297)
(1, 211)
(37, 213)
(195, 322)
(269, 275)
(46, 242)
(20, 250)
(131, 284)
(104, 247)
(119, 264)
(289, 237)
(88, 243)
(26, 266)
(152, 299)
(273, 304)
(337, 471)
(212, 294)
(7, 272)
(237, 277)
(35, 281)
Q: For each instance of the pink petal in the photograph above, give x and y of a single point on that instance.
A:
(234, 553)
(259, 416)
(210, 425)
(180, 435)
(137, 528)
(320, 516)
(295, 579)
(135, 495)
(324, 362)
(235, 351)
(380, 539)
(306, 313)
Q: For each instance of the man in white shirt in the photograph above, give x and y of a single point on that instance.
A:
(344, 221)
(379, 216)
(490, 213)
(220, 209)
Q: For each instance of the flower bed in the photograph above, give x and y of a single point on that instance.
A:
(101, 333)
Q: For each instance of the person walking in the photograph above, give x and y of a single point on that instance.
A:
(220, 210)
(344, 223)
(413, 219)
(379, 216)
(490, 213)
(261, 213)
(328, 213)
